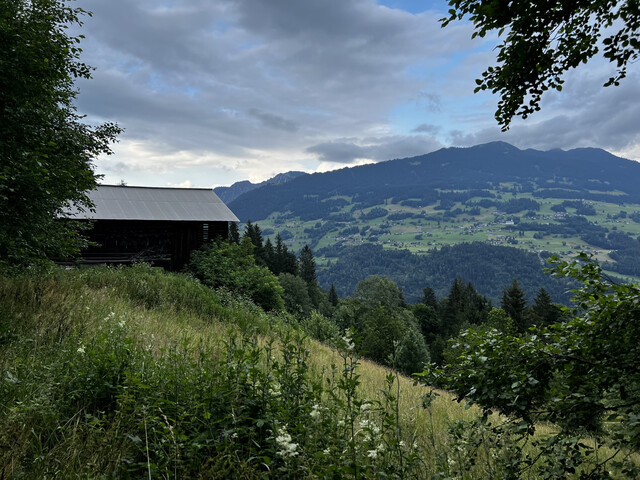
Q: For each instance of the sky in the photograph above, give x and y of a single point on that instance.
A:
(211, 92)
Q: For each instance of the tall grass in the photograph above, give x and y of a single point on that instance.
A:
(134, 373)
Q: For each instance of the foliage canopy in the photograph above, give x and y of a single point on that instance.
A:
(46, 152)
(545, 39)
(232, 266)
(581, 375)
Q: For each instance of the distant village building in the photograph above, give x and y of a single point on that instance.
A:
(161, 226)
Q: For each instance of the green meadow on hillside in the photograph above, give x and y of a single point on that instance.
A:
(423, 229)
(135, 373)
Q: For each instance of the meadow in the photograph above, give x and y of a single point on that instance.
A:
(136, 373)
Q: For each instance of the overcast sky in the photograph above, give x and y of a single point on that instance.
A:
(211, 92)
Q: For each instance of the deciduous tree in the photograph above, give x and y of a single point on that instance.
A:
(542, 40)
(581, 375)
(232, 266)
(46, 152)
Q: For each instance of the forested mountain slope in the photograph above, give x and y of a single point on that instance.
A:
(554, 202)
(481, 167)
(488, 268)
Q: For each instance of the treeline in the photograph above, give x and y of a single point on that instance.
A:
(586, 195)
(270, 275)
(514, 205)
(572, 225)
(488, 267)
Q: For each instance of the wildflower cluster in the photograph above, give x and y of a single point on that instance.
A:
(286, 447)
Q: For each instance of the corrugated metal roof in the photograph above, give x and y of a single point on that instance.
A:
(114, 202)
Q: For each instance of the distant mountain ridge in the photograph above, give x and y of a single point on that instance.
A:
(478, 167)
(453, 213)
(229, 194)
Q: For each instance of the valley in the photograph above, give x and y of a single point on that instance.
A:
(543, 203)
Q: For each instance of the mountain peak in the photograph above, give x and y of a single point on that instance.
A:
(229, 194)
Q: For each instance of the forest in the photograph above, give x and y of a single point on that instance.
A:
(376, 308)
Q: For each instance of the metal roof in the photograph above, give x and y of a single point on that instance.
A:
(115, 202)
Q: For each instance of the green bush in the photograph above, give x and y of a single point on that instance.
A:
(321, 328)
(232, 266)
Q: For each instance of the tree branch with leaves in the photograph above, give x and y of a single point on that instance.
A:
(544, 39)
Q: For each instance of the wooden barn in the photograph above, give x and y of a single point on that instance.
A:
(160, 226)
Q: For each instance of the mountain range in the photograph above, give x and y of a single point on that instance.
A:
(229, 194)
(481, 167)
(537, 203)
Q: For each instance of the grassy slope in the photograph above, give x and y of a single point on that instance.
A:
(134, 372)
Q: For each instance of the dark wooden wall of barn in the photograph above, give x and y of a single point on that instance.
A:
(165, 244)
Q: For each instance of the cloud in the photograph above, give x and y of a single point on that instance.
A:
(586, 115)
(348, 151)
(196, 75)
(274, 121)
(427, 128)
(250, 88)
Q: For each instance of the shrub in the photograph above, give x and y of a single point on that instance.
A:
(223, 264)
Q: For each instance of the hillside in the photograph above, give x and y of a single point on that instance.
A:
(554, 202)
(229, 194)
(488, 268)
(134, 373)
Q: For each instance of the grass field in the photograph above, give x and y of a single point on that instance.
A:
(134, 373)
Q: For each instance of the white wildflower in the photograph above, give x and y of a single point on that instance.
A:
(121, 323)
(326, 451)
(81, 349)
(372, 453)
(315, 411)
(349, 345)
(401, 444)
(365, 406)
(287, 448)
(274, 391)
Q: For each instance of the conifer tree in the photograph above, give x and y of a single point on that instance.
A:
(308, 266)
(284, 261)
(429, 297)
(269, 254)
(333, 296)
(544, 311)
(234, 234)
(514, 303)
(253, 232)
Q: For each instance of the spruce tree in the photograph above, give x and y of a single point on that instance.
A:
(429, 297)
(234, 234)
(269, 255)
(284, 260)
(308, 266)
(514, 303)
(544, 311)
(253, 232)
(333, 296)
